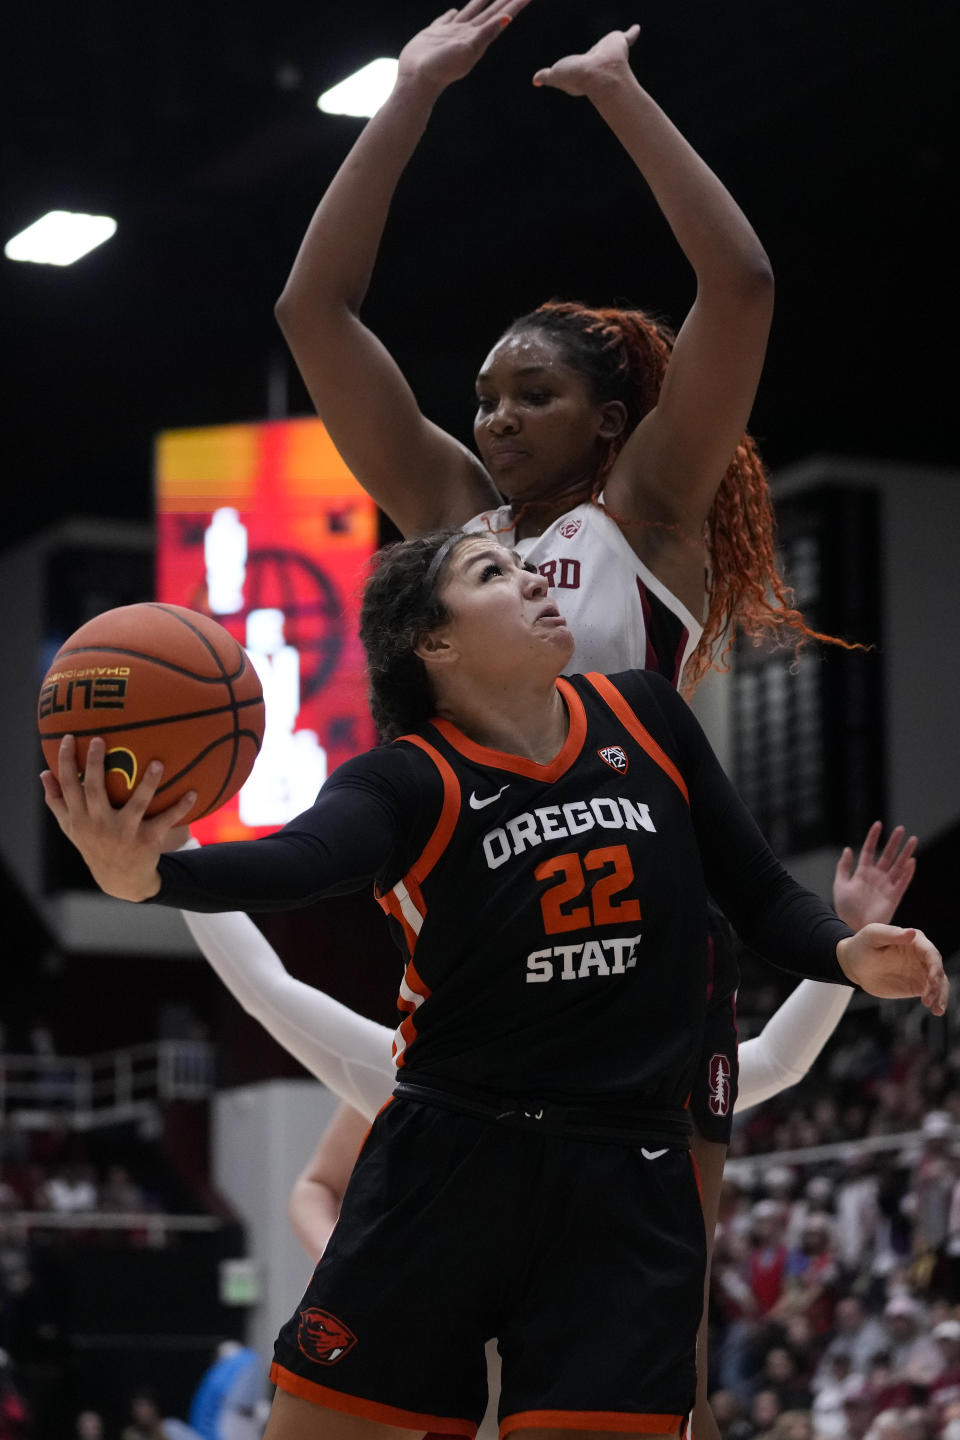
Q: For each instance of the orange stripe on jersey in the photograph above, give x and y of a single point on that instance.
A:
(614, 1420)
(404, 901)
(449, 814)
(640, 733)
(516, 764)
(403, 1038)
(369, 1409)
(391, 904)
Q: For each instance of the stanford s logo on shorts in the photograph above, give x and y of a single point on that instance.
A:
(323, 1338)
(615, 757)
(719, 1084)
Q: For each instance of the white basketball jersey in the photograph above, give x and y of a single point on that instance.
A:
(620, 614)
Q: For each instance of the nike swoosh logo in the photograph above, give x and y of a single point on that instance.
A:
(653, 1154)
(476, 804)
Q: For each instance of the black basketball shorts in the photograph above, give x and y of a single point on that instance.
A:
(714, 1090)
(585, 1258)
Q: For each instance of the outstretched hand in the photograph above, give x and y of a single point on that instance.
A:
(873, 890)
(895, 964)
(608, 59)
(449, 48)
(121, 848)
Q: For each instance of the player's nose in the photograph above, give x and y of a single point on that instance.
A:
(503, 419)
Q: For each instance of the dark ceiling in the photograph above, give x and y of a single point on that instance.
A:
(194, 124)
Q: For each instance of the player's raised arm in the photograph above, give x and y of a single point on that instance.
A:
(421, 476)
(672, 465)
(796, 1033)
(871, 891)
(355, 828)
(774, 915)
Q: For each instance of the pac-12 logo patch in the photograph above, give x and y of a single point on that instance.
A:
(569, 528)
(323, 1338)
(616, 757)
(719, 1084)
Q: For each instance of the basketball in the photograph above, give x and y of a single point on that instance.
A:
(157, 682)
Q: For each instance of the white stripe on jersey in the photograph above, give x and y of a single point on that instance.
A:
(413, 918)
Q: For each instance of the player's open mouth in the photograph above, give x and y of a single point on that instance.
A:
(551, 616)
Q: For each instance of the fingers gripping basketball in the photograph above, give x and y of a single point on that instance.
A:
(157, 682)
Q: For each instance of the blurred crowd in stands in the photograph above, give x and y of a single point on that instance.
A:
(835, 1294)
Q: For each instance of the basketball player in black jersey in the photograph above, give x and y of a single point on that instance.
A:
(542, 847)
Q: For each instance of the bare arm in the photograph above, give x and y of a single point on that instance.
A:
(421, 476)
(314, 1204)
(672, 465)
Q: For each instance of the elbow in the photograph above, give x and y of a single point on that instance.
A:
(739, 288)
(743, 281)
(297, 311)
(754, 282)
(285, 310)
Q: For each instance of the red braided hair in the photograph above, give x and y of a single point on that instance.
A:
(624, 354)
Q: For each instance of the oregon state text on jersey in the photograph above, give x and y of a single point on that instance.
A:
(555, 920)
(621, 615)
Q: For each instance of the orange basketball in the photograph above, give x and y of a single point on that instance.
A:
(157, 682)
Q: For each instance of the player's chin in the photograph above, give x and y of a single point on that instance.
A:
(557, 635)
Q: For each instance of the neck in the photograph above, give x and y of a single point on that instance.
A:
(533, 513)
(526, 720)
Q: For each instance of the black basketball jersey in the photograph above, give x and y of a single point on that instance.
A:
(555, 920)
(553, 916)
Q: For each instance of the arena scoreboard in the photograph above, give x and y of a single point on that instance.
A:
(263, 527)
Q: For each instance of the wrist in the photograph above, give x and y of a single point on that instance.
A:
(143, 888)
(415, 91)
(844, 957)
(609, 82)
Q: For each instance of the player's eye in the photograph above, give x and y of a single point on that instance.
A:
(490, 570)
(537, 397)
(530, 568)
(484, 402)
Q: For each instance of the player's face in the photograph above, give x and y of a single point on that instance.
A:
(502, 618)
(537, 427)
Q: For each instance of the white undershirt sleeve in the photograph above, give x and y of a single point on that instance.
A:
(790, 1041)
(351, 1055)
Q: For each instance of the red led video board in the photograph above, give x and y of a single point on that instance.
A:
(264, 528)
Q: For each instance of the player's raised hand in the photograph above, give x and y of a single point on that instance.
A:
(875, 888)
(608, 60)
(449, 48)
(120, 847)
(895, 964)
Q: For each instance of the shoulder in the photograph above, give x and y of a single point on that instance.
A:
(646, 690)
(655, 703)
(498, 521)
(398, 772)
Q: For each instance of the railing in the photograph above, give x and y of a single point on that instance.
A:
(909, 1142)
(100, 1089)
(156, 1225)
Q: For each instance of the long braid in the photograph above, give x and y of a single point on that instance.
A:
(625, 353)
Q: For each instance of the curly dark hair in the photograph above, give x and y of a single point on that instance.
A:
(400, 605)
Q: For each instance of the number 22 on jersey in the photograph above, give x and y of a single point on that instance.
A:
(610, 873)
